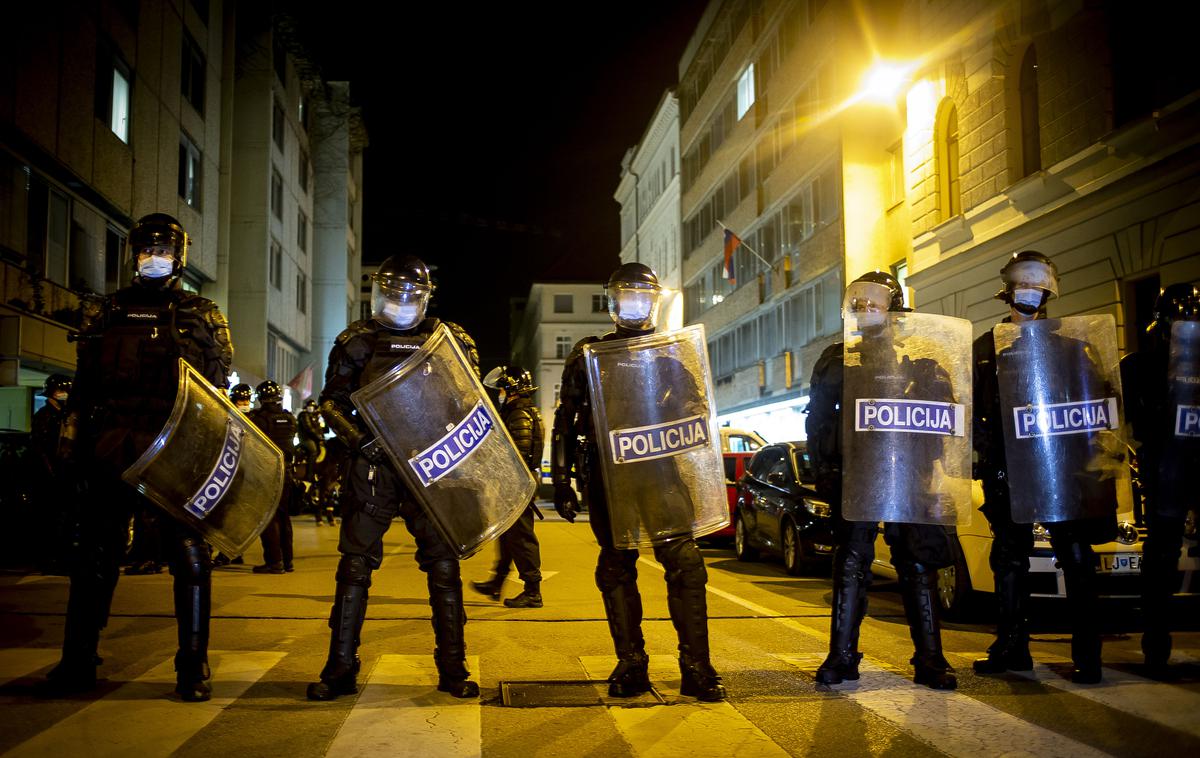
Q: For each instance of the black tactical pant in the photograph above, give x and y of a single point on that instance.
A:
(277, 537)
(1160, 580)
(519, 545)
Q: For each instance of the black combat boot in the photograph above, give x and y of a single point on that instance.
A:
(491, 587)
(919, 590)
(1078, 563)
(530, 597)
(850, 584)
(687, 602)
(193, 609)
(339, 677)
(623, 607)
(449, 618)
(1010, 651)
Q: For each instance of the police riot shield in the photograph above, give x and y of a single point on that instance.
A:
(1060, 402)
(211, 467)
(1179, 466)
(444, 437)
(906, 419)
(655, 421)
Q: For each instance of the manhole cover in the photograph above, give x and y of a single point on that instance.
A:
(569, 695)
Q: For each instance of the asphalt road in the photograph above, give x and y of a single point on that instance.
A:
(768, 630)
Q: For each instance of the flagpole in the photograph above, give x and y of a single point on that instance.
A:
(742, 242)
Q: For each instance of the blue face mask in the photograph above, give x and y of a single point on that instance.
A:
(156, 266)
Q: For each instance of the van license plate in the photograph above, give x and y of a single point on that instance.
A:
(1120, 563)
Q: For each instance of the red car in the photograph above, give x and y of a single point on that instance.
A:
(735, 466)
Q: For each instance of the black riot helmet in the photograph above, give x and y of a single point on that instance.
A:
(1176, 302)
(269, 392)
(874, 292)
(634, 296)
(56, 383)
(514, 380)
(241, 393)
(1030, 281)
(310, 405)
(151, 240)
(400, 292)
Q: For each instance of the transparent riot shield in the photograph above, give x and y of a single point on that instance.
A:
(1179, 464)
(211, 467)
(656, 428)
(444, 437)
(1060, 399)
(906, 419)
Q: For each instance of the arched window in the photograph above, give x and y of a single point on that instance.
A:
(946, 139)
(1031, 138)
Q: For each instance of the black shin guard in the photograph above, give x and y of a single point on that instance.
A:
(449, 618)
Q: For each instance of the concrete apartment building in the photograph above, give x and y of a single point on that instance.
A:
(648, 194)
(554, 317)
(108, 111)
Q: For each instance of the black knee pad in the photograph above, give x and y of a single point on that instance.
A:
(354, 570)
(615, 568)
(683, 563)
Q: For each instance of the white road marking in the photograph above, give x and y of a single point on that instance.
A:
(951, 722)
(687, 728)
(22, 661)
(748, 605)
(399, 712)
(141, 718)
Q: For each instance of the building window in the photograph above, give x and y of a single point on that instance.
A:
(113, 93)
(564, 303)
(302, 292)
(192, 73)
(302, 172)
(946, 140)
(303, 111)
(562, 346)
(302, 231)
(276, 195)
(275, 274)
(745, 91)
(189, 171)
(279, 59)
(1031, 138)
(599, 303)
(115, 259)
(277, 126)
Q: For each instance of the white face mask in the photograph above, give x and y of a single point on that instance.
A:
(1028, 297)
(502, 396)
(156, 266)
(636, 309)
(870, 319)
(60, 397)
(243, 407)
(400, 315)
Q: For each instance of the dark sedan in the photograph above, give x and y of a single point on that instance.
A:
(778, 510)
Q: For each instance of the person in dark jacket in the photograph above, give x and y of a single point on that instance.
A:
(125, 387)
(280, 426)
(519, 544)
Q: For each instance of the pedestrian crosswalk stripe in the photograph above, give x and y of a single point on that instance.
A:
(685, 728)
(141, 717)
(1173, 707)
(23, 661)
(951, 722)
(400, 712)
(748, 605)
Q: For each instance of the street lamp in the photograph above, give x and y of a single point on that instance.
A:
(884, 81)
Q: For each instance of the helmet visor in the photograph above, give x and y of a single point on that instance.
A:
(493, 377)
(866, 297)
(634, 307)
(400, 305)
(1030, 275)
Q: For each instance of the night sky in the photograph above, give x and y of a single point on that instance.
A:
(496, 135)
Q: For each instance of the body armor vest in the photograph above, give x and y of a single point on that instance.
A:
(392, 348)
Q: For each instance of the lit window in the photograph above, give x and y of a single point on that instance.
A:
(113, 92)
(949, 188)
(189, 171)
(745, 91)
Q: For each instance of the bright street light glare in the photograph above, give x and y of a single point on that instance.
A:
(883, 82)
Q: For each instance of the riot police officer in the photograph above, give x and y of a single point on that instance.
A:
(280, 426)
(48, 443)
(918, 550)
(1160, 386)
(366, 350)
(519, 544)
(310, 457)
(242, 395)
(124, 390)
(1030, 281)
(634, 296)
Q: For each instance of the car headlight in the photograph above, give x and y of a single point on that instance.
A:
(816, 507)
(1127, 533)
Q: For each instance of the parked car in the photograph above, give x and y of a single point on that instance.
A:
(735, 467)
(778, 511)
(740, 440)
(1119, 562)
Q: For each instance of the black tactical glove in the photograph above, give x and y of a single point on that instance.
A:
(565, 502)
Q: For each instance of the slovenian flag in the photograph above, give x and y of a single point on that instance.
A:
(731, 243)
